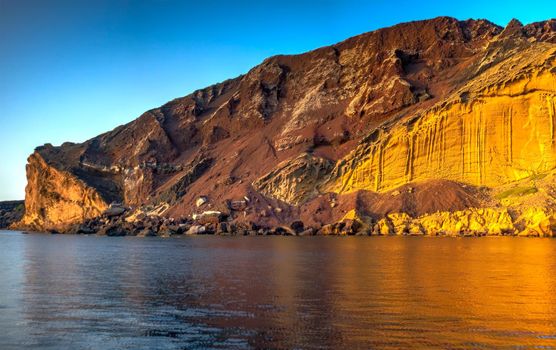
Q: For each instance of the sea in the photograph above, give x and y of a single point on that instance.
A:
(212, 292)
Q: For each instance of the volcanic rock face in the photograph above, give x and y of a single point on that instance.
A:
(425, 122)
(496, 129)
(295, 181)
(56, 197)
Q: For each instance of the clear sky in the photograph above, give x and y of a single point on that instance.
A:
(71, 69)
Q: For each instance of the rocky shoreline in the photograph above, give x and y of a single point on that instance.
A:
(119, 220)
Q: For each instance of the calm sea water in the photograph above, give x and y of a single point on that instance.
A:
(87, 292)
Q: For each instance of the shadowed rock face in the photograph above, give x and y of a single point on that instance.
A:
(10, 212)
(460, 109)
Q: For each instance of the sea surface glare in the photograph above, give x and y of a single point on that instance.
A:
(89, 292)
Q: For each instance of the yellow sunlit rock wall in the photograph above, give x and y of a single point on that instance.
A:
(55, 199)
(500, 134)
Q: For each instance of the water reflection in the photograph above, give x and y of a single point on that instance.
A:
(277, 292)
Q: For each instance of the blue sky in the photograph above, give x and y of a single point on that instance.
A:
(71, 69)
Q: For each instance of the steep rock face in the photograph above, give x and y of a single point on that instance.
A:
(54, 199)
(421, 108)
(498, 128)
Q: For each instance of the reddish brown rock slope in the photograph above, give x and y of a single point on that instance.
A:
(281, 133)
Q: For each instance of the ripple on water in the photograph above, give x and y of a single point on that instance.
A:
(101, 293)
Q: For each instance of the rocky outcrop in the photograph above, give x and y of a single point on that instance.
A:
(56, 199)
(534, 222)
(427, 126)
(10, 212)
(296, 180)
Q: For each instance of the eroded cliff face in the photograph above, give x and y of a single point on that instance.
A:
(295, 181)
(496, 129)
(56, 199)
(428, 121)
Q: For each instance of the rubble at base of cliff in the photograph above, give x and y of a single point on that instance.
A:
(121, 221)
(473, 222)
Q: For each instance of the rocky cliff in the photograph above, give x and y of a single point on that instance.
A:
(412, 128)
(495, 129)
